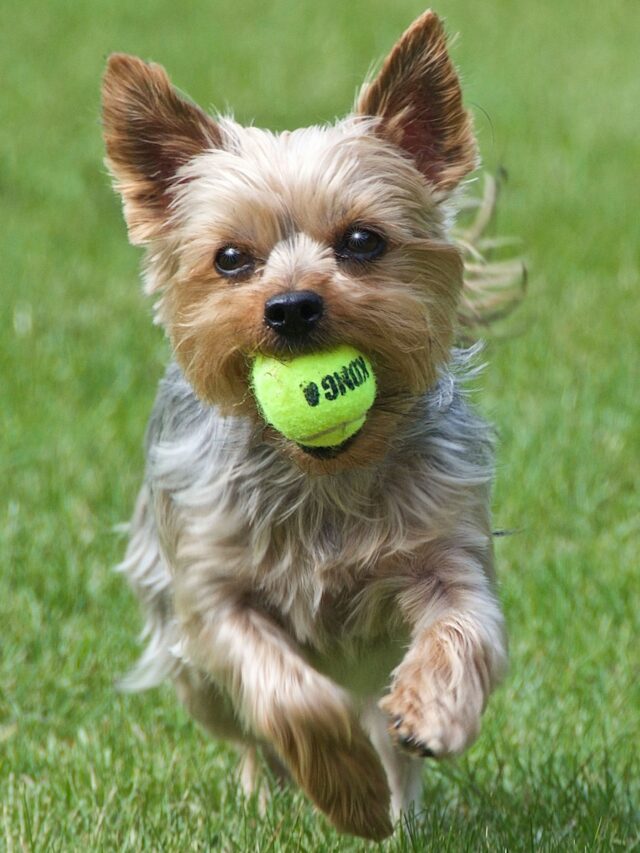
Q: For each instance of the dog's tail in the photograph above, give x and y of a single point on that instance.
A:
(495, 276)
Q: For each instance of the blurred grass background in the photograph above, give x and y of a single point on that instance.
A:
(555, 89)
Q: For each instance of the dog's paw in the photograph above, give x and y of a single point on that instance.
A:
(430, 724)
(319, 738)
(351, 788)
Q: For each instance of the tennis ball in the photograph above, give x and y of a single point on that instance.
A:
(317, 400)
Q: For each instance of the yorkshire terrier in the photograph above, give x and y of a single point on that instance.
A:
(331, 609)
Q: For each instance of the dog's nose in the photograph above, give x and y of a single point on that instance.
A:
(293, 314)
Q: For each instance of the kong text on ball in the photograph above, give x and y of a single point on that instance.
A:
(316, 400)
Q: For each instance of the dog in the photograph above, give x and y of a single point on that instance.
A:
(332, 611)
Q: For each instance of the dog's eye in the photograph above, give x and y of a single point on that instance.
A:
(233, 262)
(360, 244)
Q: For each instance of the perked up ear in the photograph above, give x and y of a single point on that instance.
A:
(149, 132)
(417, 96)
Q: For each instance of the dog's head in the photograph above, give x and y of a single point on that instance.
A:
(300, 241)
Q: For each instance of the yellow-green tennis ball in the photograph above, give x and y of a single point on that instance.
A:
(317, 400)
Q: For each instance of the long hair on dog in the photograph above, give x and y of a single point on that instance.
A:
(332, 609)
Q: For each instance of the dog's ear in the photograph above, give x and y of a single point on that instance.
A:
(417, 97)
(150, 131)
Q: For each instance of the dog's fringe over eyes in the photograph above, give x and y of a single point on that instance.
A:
(334, 611)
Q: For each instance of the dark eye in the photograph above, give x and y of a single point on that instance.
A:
(232, 262)
(360, 244)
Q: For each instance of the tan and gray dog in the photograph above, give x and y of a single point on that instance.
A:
(333, 609)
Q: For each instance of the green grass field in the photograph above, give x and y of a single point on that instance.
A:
(555, 89)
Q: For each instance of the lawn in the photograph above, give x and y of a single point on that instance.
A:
(555, 89)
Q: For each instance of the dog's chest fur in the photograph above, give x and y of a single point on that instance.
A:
(328, 556)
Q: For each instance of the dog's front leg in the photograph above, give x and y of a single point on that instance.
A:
(283, 700)
(456, 657)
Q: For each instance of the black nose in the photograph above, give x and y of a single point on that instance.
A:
(293, 314)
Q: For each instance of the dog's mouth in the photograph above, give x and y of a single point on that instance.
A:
(369, 444)
(329, 452)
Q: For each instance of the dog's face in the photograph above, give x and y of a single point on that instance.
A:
(304, 240)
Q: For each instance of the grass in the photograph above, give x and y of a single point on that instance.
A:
(555, 90)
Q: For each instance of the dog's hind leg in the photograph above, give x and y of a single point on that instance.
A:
(208, 706)
(404, 771)
(254, 780)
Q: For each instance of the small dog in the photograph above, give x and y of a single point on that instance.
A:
(332, 609)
